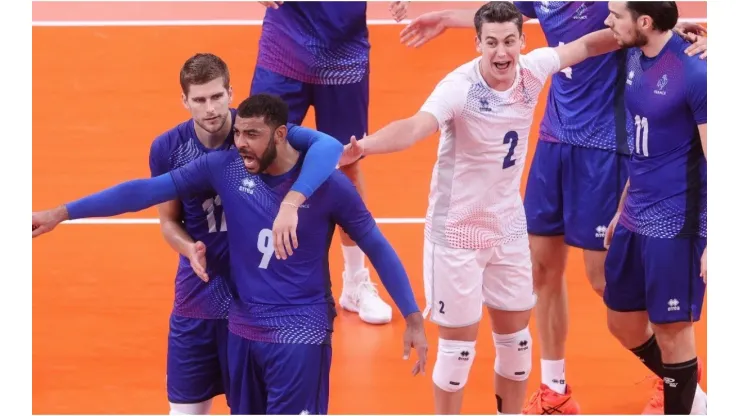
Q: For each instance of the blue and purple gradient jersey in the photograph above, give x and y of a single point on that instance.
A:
(585, 104)
(280, 301)
(203, 219)
(316, 42)
(667, 95)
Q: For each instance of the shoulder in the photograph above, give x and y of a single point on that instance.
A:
(537, 56)
(172, 138)
(459, 81)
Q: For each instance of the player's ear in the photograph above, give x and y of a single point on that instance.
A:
(231, 94)
(281, 133)
(523, 38)
(477, 44)
(185, 101)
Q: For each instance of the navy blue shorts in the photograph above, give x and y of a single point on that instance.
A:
(341, 110)
(574, 192)
(196, 359)
(275, 379)
(657, 275)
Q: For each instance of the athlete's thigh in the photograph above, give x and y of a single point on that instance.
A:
(507, 280)
(193, 360)
(342, 110)
(247, 390)
(624, 271)
(453, 281)
(675, 290)
(543, 200)
(593, 180)
(296, 377)
(298, 95)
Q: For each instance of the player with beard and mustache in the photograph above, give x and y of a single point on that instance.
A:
(655, 266)
(281, 318)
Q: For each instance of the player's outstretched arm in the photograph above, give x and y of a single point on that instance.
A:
(430, 25)
(396, 136)
(594, 44)
(126, 197)
(350, 213)
(322, 157)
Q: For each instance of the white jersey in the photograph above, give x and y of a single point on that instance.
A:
(475, 200)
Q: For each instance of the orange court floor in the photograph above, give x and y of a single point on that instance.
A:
(102, 293)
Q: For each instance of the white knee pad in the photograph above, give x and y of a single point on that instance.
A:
(202, 408)
(513, 355)
(454, 359)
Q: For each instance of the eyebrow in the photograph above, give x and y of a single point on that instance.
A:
(507, 37)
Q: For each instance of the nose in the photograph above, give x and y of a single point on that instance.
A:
(210, 107)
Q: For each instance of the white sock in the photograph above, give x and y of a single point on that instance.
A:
(202, 408)
(553, 375)
(354, 260)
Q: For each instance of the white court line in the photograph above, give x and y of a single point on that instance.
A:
(147, 221)
(106, 23)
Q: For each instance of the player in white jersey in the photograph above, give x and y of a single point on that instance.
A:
(476, 249)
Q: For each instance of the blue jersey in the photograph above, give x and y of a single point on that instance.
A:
(280, 301)
(316, 42)
(203, 219)
(585, 104)
(667, 94)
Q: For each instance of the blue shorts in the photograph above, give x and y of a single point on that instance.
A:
(196, 359)
(657, 275)
(341, 110)
(274, 379)
(574, 192)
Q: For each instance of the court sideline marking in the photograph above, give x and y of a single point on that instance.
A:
(225, 22)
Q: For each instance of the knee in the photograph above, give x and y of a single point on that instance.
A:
(454, 360)
(595, 273)
(513, 355)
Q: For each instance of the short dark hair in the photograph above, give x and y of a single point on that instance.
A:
(271, 107)
(663, 13)
(202, 68)
(498, 12)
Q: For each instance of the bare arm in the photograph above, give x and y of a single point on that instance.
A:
(460, 17)
(593, 44)
(400, 134)
(624, 196)
(703, 134)
(172, 229)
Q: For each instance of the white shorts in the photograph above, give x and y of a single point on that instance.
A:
(458, 282)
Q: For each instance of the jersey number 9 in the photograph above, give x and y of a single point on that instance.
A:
(266, 247)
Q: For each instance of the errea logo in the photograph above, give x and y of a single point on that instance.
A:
(247, 185)
(601, 231)
(673, 305)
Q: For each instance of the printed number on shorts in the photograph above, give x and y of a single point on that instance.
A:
(265, 246)
(512, 139)
(641, 136)
(209, 206)
(441, 307)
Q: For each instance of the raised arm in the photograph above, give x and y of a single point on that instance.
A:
(593, 44)
(131, 196)
(322, 157)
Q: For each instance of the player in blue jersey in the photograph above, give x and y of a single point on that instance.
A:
(194, 227)
(658, 239)
(281, 319)
(317, 54)
(577, 175)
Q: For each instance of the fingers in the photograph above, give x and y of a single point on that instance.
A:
(406, 349)
(422, 359)
(409, 30)
(294, 237)
(277, 237)
(37, 231)
(286, 241)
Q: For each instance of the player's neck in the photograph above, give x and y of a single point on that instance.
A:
(286, 159)
(493, 83)
(656, 43)
(214, 140)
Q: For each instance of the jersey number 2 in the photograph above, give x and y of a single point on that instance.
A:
(265, 246)
(209, 206)
(641, 135)
(512, 139)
